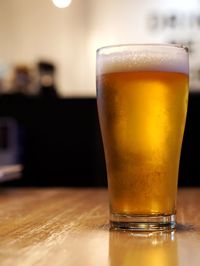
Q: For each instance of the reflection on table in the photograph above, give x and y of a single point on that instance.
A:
(152, 249)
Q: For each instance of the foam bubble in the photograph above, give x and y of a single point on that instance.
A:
(166, 58)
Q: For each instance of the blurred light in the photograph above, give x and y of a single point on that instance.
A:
(61, 3)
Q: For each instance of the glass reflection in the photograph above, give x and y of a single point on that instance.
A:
(143, 249)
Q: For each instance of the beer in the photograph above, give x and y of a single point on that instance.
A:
(142, 110)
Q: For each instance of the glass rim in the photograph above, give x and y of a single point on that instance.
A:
(180, 46)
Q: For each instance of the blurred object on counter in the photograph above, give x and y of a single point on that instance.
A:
(10, 152)
(22, 81)
(46, 72)
(1, 85)
(29, 79)
(10, 172)
(3, 73)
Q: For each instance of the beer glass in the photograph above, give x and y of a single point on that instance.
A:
(142, 95)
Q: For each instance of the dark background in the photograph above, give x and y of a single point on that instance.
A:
(60, 142)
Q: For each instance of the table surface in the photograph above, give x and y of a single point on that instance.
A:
(70, 227)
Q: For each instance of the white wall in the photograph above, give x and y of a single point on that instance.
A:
(32, 30)
(133, 21)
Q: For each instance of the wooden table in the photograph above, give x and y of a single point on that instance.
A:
(70, 227)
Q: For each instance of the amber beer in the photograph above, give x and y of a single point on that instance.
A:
(142, 95)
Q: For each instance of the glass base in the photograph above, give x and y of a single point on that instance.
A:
(143, 222)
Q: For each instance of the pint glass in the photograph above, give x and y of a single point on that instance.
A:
(142, 95)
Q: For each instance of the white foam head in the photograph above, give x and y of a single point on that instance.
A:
(165, 58)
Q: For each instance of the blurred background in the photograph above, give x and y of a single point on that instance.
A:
(48, 114)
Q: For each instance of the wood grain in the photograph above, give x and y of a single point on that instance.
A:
(70, 227)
